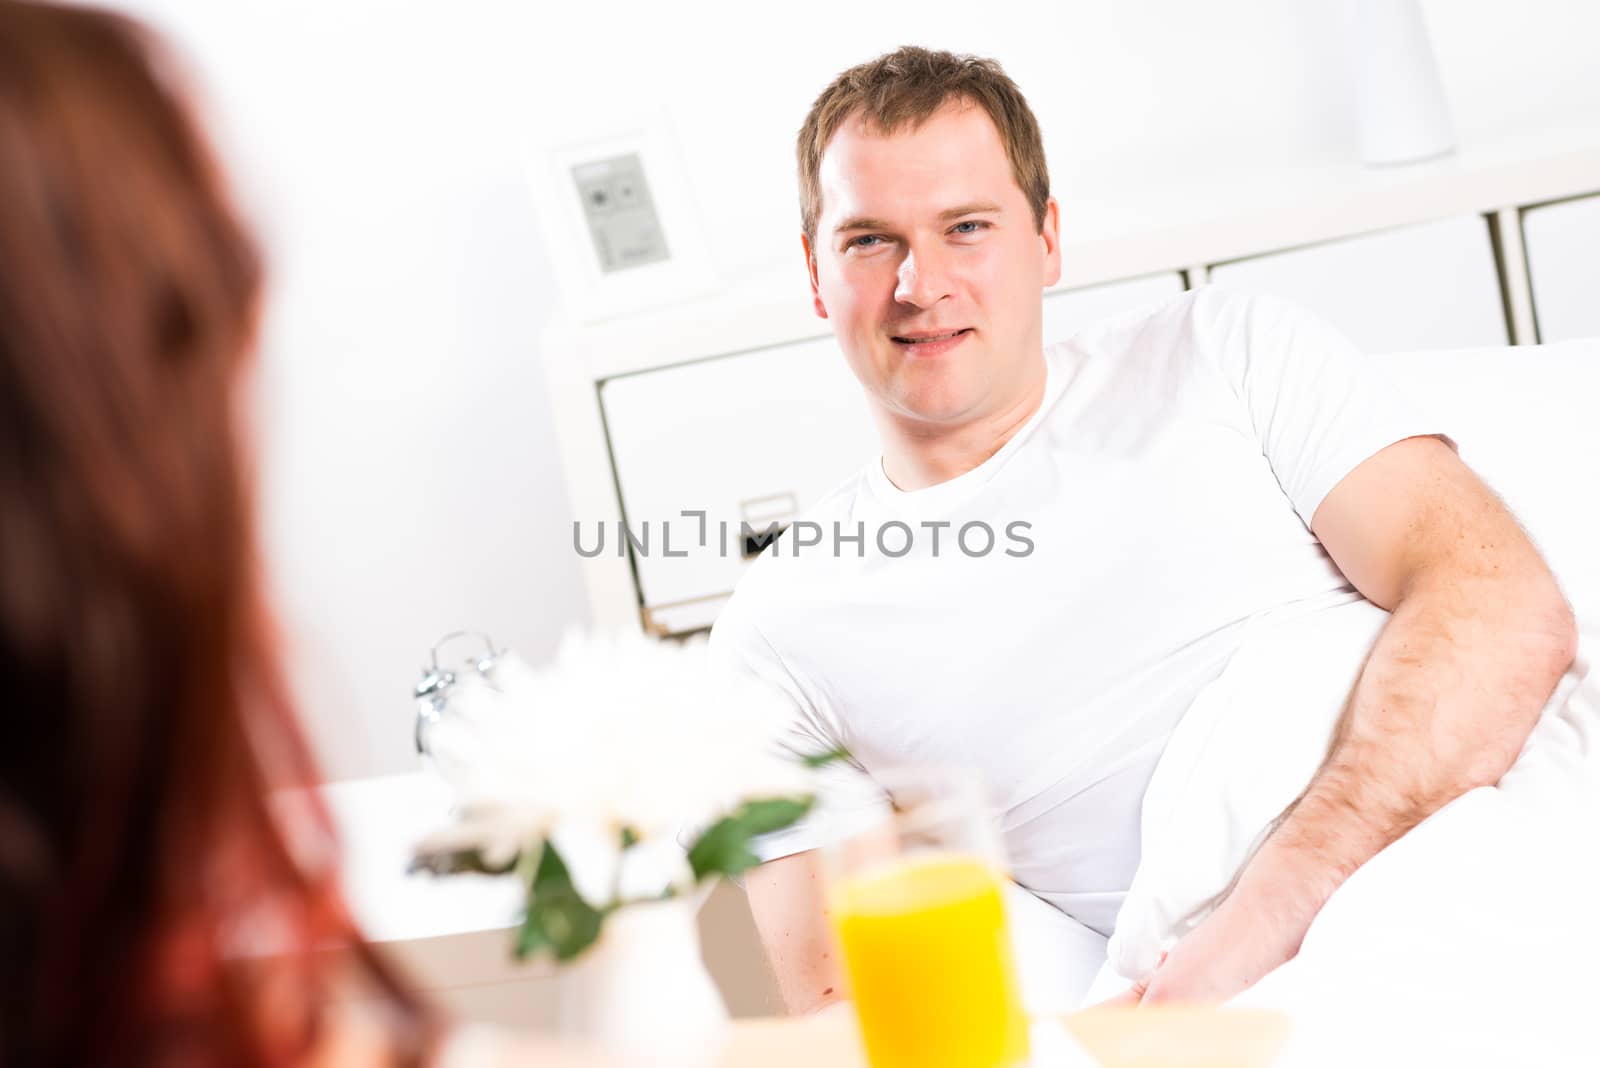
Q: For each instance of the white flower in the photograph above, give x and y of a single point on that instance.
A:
(620, 731)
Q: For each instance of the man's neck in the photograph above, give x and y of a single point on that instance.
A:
(916, 456)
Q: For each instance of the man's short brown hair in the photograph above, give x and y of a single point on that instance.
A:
(903, 89)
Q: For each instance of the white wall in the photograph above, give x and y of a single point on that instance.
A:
(410, 481)
(410, 485)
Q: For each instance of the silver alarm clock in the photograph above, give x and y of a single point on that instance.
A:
(436, 688)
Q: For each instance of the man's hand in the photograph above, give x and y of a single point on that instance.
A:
(1228, 953)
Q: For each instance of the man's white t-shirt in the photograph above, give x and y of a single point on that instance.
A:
(1160, 498)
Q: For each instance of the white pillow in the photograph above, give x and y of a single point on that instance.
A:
(1243, 751)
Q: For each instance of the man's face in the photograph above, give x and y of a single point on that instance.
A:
(925, 234)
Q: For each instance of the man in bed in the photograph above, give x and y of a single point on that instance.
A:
(1175, 474)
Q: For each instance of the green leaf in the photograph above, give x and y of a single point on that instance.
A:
(567, 923)
(555, 915)
(630, 838)
(724, 848)
(773, 814)
(530, 936)
(817, 760)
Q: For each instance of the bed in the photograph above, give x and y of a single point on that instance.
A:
(1476, 937)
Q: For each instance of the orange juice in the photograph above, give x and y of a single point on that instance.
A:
(929, 962)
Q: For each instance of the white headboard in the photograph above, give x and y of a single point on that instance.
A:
(1527, 420)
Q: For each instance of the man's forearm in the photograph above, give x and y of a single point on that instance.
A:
(1448, 696)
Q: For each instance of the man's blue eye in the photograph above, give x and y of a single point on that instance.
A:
(974, 223)
(861, 241)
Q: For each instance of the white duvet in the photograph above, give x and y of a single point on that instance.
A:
(1474, 939)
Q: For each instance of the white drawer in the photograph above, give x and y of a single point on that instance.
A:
(752, 436)
(1563, 243)
(1431, 286)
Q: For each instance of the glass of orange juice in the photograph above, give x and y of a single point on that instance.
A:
(917, 903)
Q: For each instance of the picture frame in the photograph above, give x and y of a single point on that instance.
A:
(618, 220)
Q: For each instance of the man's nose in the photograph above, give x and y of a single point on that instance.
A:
(923, 279)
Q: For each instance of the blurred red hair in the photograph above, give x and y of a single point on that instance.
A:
(153, 909)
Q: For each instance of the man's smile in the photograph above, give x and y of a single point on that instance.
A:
(930, 342)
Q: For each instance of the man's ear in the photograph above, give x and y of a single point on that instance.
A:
(1050, 233)
(811, 270)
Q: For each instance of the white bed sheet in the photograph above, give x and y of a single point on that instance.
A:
(1475, 939)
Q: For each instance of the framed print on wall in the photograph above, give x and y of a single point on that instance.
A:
(618, 221)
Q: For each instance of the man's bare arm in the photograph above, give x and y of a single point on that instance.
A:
(1479, 637)
(790, 912)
